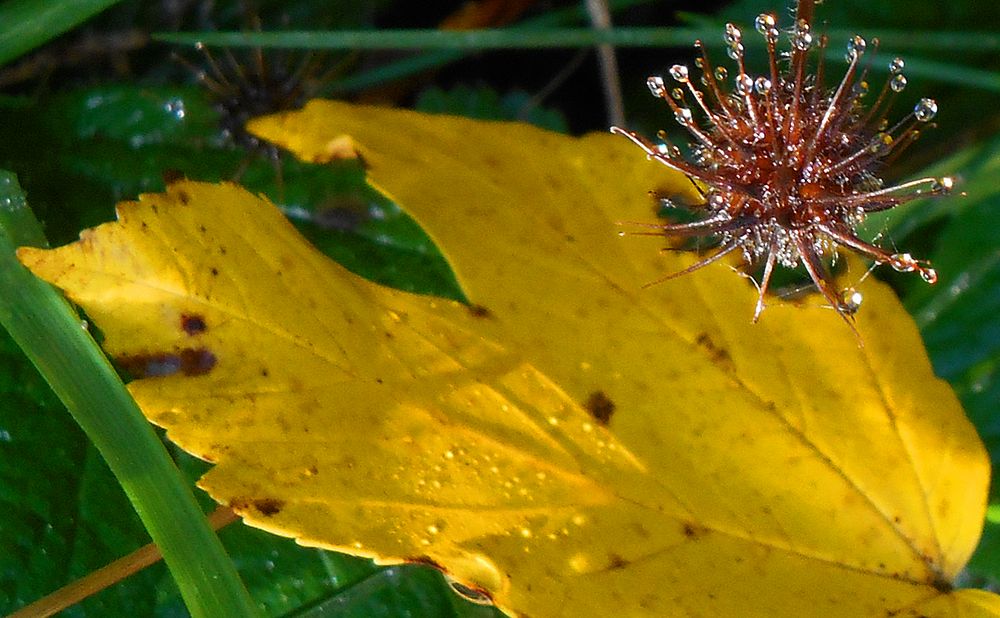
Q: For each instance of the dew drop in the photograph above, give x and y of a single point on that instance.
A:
(802, 38)
(699, 62)
(855, 48)
(721, 73)
(744, 84)
(762, 85)
(925, 110)
(903, 262)
(764, 23)
(850, 301)
(677, 94)
(655, 84)
(175, 107)
(683, 117)
(881, 144)
(896, 66)
(943, 185)
(579, 563)
(733, 35)
(679, 72)
(898, 82)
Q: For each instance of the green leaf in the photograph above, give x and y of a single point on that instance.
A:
(26, 24)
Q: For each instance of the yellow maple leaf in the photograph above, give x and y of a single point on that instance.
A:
(568, 443)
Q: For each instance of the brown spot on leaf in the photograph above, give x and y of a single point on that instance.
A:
(616, 562)
(479, 311)
(719, 356)
(183, 197)
(193, 324)
(188, 361)
(268, 507)
(215, 271)
(600, 407)
(692, 530)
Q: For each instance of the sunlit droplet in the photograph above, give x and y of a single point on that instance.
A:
(925, 109)
(656, 86)
(856, 47)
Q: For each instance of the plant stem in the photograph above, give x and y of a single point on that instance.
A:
(52, 336)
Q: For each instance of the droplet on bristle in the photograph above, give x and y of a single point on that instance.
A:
(679, 72)
(855, 48)
(929, 275)
(716, 201)
(655, 83)
(721, 73)
(903, 262)
(764, 22)
(850, 301)
(896, 66)
(199, 46)
(802, 38)
(661, 134)
(735, 52)
(744, 84)
(699, 62)
(677, 94)
(762, 85)
(898, 82)
(733, 35)
(683, 116)
(925, 109)
(881, 144)
(943, 185)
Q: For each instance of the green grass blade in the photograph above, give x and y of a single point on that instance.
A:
(400, 69)
(523, 38)
(26, 24)
(49, 331)
(494, 38)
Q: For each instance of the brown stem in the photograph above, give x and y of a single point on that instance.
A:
(109, 575)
